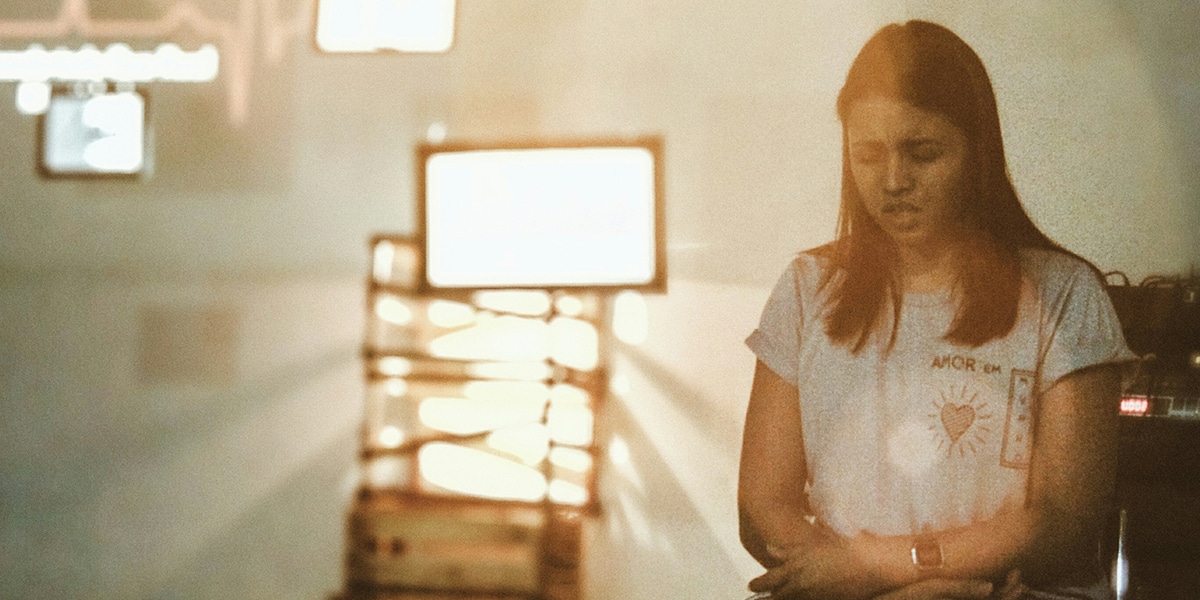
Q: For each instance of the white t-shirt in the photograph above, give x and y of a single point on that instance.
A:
(932, 435)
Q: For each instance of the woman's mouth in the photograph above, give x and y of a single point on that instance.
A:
(899, 207)
(901, 216)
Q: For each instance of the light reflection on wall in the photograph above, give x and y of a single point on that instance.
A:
(631, 320)
(618, 455)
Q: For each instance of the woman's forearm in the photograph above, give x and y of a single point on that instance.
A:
(1041, 542)
(772, 504)
(766, 528)
(985, 550)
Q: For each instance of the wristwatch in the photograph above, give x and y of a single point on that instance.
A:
(927, 553)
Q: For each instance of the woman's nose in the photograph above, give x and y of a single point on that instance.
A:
(898, 178)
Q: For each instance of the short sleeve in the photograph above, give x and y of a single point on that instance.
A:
(1085, 331)
(775, 341)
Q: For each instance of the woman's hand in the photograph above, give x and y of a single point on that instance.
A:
(942, 589)
(1014, 588)
(827, 568)
(959, 589)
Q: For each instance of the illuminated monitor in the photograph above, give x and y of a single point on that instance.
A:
(93, 134)
(542, 216)
(371, 26)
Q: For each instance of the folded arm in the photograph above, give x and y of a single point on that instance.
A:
(775, 517)
(772, 504)
(1070, 484)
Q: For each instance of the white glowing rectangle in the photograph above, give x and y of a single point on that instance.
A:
(545, 217)
(93, 134)
(385, 25)
(118, 62)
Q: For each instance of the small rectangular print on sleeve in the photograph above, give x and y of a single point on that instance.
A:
(1018, 427)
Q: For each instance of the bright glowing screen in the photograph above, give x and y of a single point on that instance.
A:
(377, 25)
(94, 135)
(541, 218)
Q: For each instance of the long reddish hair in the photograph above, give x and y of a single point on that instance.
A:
(928, 66)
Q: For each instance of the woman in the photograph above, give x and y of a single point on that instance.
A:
(933, 413)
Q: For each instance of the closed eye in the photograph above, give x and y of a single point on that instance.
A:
(926, 151)
(867, 153)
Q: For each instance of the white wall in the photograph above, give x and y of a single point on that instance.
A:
(113, 487)
(117, 484)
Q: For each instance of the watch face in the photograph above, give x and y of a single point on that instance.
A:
(927, 553)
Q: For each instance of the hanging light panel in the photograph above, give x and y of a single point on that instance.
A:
(385, 25)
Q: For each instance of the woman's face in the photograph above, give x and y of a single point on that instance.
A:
(909, 166)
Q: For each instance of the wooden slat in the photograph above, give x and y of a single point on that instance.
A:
(447, 545)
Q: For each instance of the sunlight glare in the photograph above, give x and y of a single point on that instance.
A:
(531, 303)
(567, 394)
(393, 310)
(573, 459)
(530, 443)
(631, 321)
(436, 132)
(477, 473)
(570, 425)
(618, 451)
(396, 387)
(462, 416)
(503, 337)
(448, 315)
(485, 390)
(383, 257)
(394, 366)
(523, 371)
(391, 437)
(619, 384)
(911, 450)
(387, 472)
(621, 459)
(575, 343)
(570, 306)
(563, 492)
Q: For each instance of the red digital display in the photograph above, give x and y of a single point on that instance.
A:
(1135, 406)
